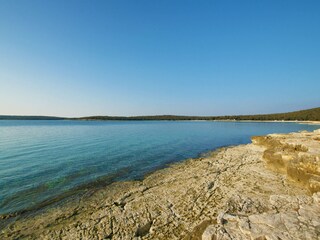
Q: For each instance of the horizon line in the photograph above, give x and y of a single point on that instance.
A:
(155, 115)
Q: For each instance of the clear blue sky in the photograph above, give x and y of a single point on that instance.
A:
(77, 58)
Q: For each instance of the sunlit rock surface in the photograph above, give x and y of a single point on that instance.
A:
(297, 155)
(265, 190)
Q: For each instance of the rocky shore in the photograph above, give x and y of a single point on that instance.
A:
(265, 190)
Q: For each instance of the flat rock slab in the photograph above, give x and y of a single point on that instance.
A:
(227, 195)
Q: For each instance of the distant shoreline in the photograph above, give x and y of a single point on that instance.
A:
(309, 115)
(225, 120)
(164, 120)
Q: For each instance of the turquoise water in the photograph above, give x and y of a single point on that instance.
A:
(40, 160)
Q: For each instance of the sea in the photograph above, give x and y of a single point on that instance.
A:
(44, 160)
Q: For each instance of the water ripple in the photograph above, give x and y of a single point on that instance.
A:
(41, 161)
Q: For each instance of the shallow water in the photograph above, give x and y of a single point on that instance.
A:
(40, 160)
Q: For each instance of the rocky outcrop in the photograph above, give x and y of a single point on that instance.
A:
(297, 155)
(229, 194)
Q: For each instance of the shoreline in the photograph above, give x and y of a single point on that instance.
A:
(108, 179)
(171, 120)
(184, 200)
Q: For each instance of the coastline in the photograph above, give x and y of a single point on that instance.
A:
(193, 199)
(268, 121)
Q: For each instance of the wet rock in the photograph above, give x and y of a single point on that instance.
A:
(229, 194)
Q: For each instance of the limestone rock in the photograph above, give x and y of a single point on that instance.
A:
(297, 155)
(228, 194)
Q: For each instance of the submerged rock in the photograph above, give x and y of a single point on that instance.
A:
(229, 194)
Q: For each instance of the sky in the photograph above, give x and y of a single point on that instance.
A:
(124, 58)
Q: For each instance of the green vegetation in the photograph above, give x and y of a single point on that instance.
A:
(10, 117)
(303, 115)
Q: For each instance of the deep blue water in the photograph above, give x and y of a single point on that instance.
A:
(40, 160)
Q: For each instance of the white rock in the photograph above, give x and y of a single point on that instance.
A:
(209, 233)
